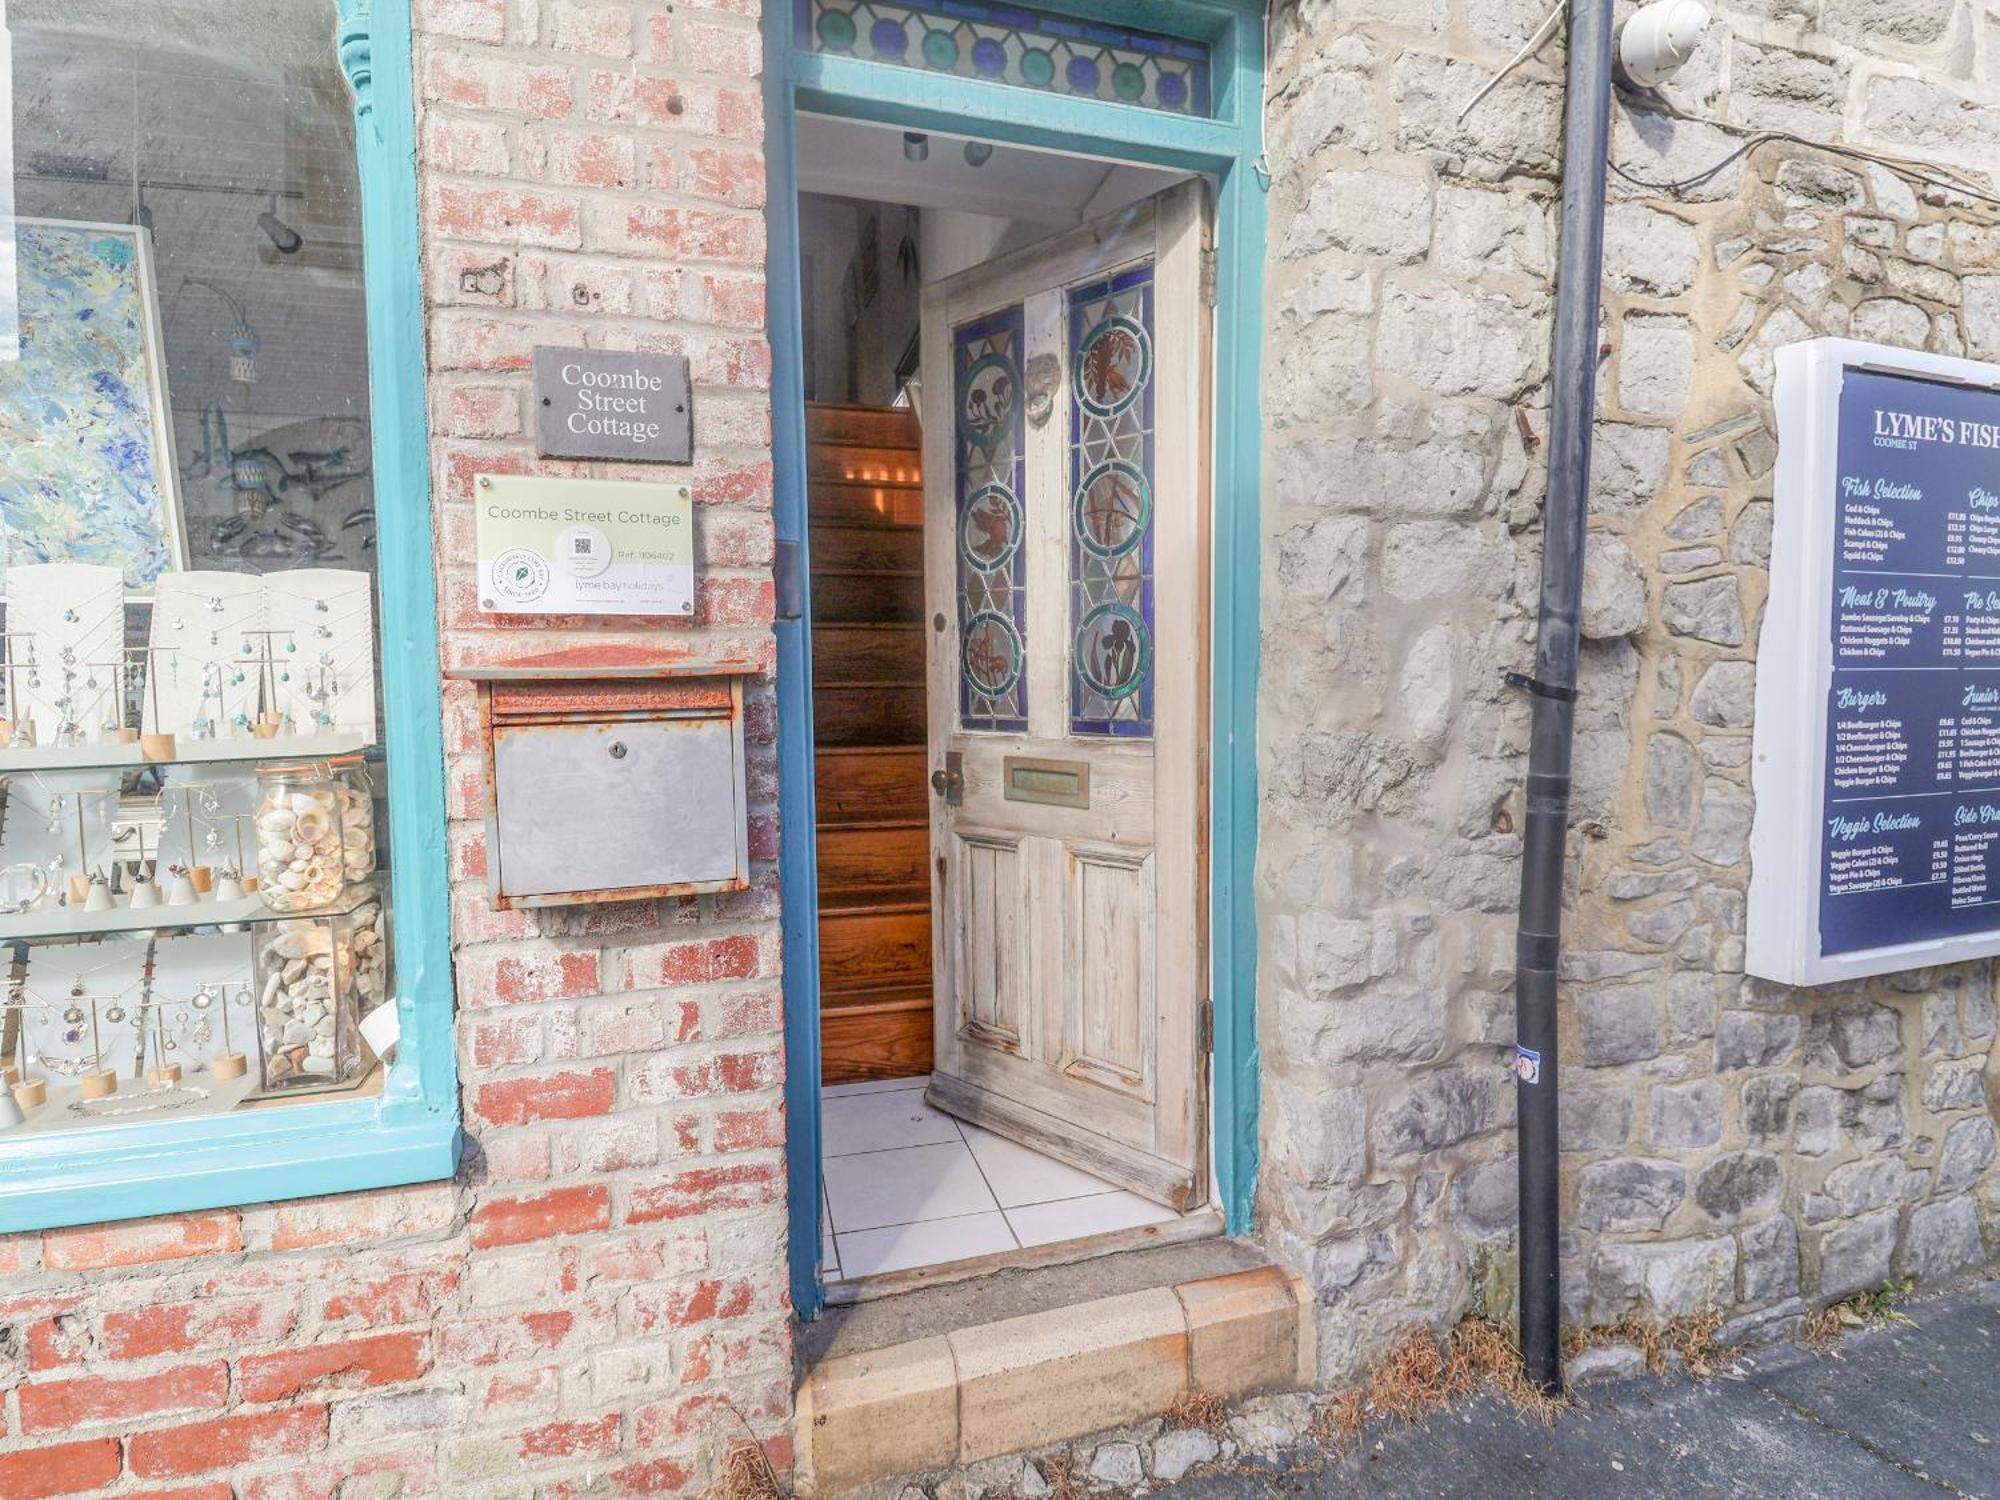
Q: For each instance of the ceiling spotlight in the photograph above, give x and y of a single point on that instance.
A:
(978, 153)
(916, 146)
(287, 239)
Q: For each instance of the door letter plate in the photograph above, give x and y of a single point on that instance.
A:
(1059, 783)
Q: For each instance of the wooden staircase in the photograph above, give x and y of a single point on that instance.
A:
(865, 513)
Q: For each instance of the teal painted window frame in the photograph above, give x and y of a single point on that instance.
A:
(1227, 146)
(409, 1132)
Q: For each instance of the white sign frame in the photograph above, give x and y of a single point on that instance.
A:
(1795, 670)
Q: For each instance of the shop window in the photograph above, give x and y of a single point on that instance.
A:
(197, 877)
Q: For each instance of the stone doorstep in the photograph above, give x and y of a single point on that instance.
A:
(1001, 1387)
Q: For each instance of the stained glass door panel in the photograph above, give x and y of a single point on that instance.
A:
(1064, 559)
(1111, 505)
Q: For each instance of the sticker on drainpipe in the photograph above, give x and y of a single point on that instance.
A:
(1527, 1065)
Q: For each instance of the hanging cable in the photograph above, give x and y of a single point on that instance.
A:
(1766, 137)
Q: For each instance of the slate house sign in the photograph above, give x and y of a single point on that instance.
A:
(604, 403)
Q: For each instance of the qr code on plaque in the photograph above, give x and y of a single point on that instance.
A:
(580, 546)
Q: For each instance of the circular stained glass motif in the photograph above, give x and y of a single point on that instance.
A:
(1112, 507)
(989, 528)
(1112, 648)
(1082, 75)
(989, 56)
(835, 29)
(1037, 68)
(888, 39)
(1171, 90)
(990, 654)
(1128, 81)
(1114, 361)
(940, 49)
(987, 400)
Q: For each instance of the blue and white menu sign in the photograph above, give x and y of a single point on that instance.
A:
(1878, 707)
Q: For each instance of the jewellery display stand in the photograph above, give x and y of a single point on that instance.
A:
(203, 617)
(326, 614)
(71, 619)
(129, 796)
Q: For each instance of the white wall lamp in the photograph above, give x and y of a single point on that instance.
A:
(1652, 44)
(1659, 38)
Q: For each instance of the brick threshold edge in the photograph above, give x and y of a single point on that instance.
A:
(995, 1388)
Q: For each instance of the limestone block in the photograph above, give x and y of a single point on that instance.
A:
(1767, 1106)
(1722, 827)
(1517, 127)
(1856, 1257)
(1365, 212)
(1968, 1148)
(868, 1416)
(1485, 232)
(1248, 1332)
(1618, 1024)
(1487, 1198)
(1440, 560)
(1955, 1085)
(1634, 1193)
(1686, 1114)
(1435, 1111)
(1336, 108)
(1458, 342)
(1324, 559)
(1772, 88)
(1770, 1260)
(1750, 537)
(1701, 519)
(1591, 1119)
(1726, 695)
(1738, 1183)
(1982, 316)
(1614, 589)
(1859, 1187)
(1921, 112)
(1322, 1132)
(1943, 1237)
(1051, 1375)
(1754, 1039)
(1655, 365)
(1628, 468)
(1649, 252)
(1657, 147)
(1425, 683)
(1806, 182)
(1670, 1280)
(1671, 770)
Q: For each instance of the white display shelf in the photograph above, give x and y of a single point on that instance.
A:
(192, 752)
(66, 924)
(137, 1100)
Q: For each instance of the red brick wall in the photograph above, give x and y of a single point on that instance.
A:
(597, 1305)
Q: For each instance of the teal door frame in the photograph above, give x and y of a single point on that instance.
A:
(1225, 146)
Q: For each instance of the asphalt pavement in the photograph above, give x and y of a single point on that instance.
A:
(1893, 1411)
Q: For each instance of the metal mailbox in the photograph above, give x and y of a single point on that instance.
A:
(617, 786)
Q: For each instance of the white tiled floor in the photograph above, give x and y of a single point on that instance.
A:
(904, 1185)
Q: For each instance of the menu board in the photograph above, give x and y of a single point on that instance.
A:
(1901, 653)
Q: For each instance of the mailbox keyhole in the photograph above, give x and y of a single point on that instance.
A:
(617, 748)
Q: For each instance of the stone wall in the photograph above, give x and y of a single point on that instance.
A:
(1729, 1144)
(598, 1303)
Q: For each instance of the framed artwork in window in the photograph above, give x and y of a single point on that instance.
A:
(87, 469)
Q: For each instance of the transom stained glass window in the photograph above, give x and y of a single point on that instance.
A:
(991, 477)
(1012, 44)
(1111, 505)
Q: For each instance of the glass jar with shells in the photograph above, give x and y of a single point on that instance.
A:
(356, 791)
(301, 858)
(316, 977)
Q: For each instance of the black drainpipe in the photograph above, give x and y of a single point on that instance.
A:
(1565, 515)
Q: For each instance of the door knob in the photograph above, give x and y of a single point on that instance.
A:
(948, 781)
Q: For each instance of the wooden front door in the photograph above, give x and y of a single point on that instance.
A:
(1064, 402)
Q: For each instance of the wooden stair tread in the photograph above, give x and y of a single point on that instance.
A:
(874, 901)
